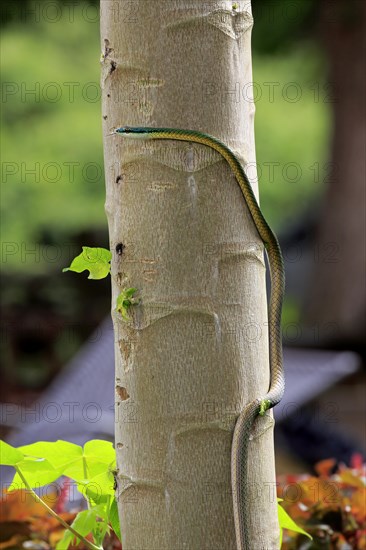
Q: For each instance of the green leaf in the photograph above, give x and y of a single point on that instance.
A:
(100, 488)
(83, 523)
(66, 540)
(287, 523)
(101, 526)
(93, 467)
(9, 456)
(97, 456)
(114, 519)
(95, 260)
(130, 292)
(125, 300)
(101, 449)
(99, 532)
(264, 406)
(76, 462)
(37, 472)
(46, 461)
(58, 453)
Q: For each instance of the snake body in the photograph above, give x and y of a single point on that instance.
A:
(244, 423)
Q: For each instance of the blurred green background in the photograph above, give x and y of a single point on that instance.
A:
(51, 119)
(52, 163)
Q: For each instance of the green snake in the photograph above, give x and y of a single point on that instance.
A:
(244, 423)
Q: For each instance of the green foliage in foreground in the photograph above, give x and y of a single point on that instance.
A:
(97, 262)
(91, 467)
(286, 522)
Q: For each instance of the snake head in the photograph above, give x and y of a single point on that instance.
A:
(123, 130)
(135, 132)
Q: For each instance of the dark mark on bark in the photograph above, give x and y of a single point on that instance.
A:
(119, 249)
(122, 392)
(107, 49)
(105, 117)
(119, 178)
(113, 66)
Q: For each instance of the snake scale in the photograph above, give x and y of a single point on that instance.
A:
(244, 423)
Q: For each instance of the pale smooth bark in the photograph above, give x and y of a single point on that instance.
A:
(196, 349)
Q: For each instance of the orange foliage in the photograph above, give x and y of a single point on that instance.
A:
(331, 507)
(23, 519)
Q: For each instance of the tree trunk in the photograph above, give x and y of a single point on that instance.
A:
(336, 304)
(195, 350)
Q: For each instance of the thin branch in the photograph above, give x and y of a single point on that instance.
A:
(87, 543)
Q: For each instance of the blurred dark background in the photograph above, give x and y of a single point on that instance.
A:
(309, 75)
